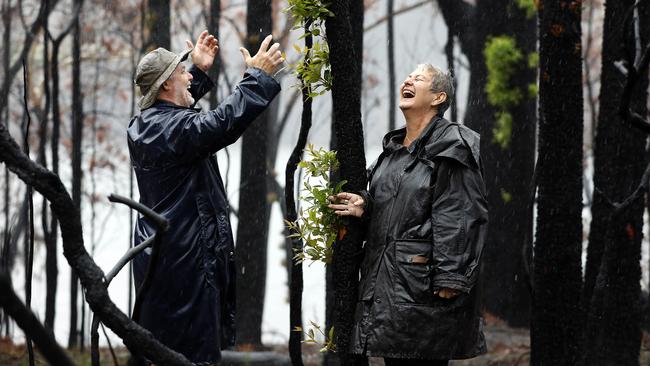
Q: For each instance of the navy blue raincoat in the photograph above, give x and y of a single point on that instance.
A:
(190, 305)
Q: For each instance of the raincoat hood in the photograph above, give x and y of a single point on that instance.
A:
(443, 139)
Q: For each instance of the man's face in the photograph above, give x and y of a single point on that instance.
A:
(415, 91)
(178, 86)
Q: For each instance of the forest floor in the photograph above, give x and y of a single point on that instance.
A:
(506, 347)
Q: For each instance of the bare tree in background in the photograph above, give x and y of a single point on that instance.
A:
(51, 238)
(252, 225)
(157, 20)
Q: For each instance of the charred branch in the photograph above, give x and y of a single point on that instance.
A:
(27, 321)
(633, 76)
(162, 224)
(296, 276)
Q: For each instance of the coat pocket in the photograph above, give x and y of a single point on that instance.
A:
(413, 266)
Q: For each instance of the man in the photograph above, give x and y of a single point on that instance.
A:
(427, 218)
(190, 303)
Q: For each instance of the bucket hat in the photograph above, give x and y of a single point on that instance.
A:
(153, 69)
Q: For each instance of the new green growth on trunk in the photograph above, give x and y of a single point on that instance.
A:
(317, 225)
(503, 61)
(313, 67)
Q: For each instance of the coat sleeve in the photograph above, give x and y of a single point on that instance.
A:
(201, 83)
(459, 219)
(197, 135)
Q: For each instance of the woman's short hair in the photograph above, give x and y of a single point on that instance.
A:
(440, 82)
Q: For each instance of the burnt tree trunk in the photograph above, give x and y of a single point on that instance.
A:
(77, 135)
(6, 253)
(612, 291)
(214, 17)
(27, 321)
(29, 217)
(345, 58)
(252, 226)
(46, 224)
(392, 88)
(556, 313)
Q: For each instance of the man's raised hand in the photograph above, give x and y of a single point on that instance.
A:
(204, 51)
(267, 59)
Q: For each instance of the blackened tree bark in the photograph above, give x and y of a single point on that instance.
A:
(449, 53)
(612, 290)
(156, 25)
(45, 214)
(5, 253)
(214, 17)
(390, 40)
(27, 321)
(556, 313)
(297, 246)
(509, 170)
(29, 216)
(345, 58)
(77, 135)
(6, 58)
(253, 211)
(329, 358)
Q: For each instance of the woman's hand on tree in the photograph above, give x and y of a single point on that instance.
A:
(347, 204)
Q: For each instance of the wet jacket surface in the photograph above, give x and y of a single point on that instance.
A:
(190, 305)
(427, 213)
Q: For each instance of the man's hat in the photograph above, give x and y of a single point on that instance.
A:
(154, 68)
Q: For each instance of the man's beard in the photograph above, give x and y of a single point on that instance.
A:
(186, 98)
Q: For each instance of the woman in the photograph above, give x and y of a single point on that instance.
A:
(426, 218)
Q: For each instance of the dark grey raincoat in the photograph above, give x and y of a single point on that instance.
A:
(427, 214)
(190, 305)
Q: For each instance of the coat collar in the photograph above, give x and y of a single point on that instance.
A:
(393, 140)
(165, 104)
(441, 138)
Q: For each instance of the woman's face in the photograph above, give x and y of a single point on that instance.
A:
(415, 91)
